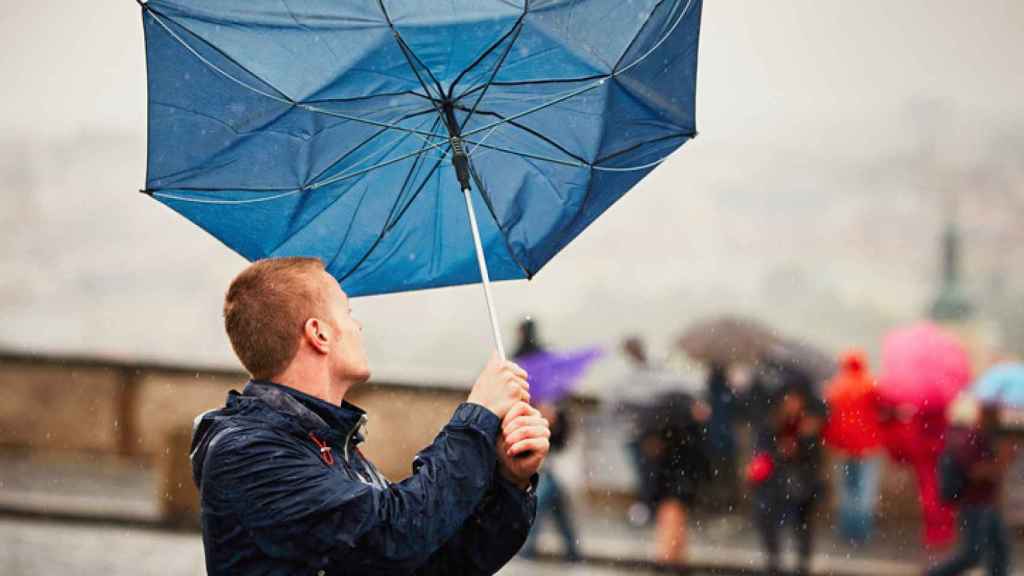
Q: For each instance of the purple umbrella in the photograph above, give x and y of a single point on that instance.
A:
(554, 375)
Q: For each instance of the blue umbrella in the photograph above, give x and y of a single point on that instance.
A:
(363, 133)
(1004, 384)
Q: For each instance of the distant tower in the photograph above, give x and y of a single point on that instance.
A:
(951, 306)
(953, 309)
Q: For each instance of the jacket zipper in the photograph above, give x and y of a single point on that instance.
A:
(351, 433)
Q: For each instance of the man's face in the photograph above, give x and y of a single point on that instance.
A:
(792, 405)
(348, 356)
(989, 417)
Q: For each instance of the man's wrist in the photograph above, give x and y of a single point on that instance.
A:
(521, 483)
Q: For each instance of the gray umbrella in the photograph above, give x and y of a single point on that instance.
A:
(728, 339)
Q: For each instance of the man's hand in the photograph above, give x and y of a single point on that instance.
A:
(523, 444)
(500, 386)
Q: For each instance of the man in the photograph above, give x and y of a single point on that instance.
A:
(284, 486)
(983, 457)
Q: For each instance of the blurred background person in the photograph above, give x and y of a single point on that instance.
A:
(631, 398)
(786, 474)
(978, 459)
(853, 430)
(672, 444)
(721, 436)
(552, 500)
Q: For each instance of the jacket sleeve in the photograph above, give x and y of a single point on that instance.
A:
(491, 536)
(296, 508)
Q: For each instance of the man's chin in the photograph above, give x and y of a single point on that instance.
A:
(362, 376)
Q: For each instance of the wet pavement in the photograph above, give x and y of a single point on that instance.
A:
(30, 548)
(125, 492)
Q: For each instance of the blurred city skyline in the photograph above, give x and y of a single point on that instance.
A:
(835, 141)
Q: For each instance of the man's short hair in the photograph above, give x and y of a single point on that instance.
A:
(266, 308)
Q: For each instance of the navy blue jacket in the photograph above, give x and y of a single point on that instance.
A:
(285, 490)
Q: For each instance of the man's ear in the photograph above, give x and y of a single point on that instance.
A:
(315, 333)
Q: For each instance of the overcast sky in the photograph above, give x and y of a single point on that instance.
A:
(823, 124)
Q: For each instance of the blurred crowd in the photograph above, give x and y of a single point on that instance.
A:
(773, 425)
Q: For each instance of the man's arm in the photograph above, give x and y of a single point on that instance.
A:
(490, 537)
(498, 527)
(296, 507)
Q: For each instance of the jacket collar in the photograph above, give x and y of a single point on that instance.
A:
(312, 413)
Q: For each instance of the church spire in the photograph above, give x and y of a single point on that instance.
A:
(951, 304)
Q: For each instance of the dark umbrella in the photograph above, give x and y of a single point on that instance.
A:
(728, 339)
(799, 356)
(412, 145)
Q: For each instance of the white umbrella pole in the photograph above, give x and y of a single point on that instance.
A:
(484, 276)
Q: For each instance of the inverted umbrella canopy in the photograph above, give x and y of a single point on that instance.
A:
(923, 366)
(329, 129)
(1003, 383)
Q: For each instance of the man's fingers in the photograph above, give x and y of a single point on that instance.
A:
(518, 409)
(538, 445)
(517, 370)
(527, 432)
(513, 424)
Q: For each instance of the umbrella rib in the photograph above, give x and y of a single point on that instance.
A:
(158, 18)
(384, 231)
(637, 35)
(419, 189)
(409, 54)
(533, 132)
(381, 164)
(361, 98)
(367, 140)
(501, 60)
(481, 144)
(159, 194)
(325, 208)
(573, 93)
(283, 98)
(408, 175)
(606, 157)
(664, 38)
(490, 208)
(487, 52)
(153, 190)
(532, 82)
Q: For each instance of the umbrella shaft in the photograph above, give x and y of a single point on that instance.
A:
(485, 278)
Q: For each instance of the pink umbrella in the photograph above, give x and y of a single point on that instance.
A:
(923, 366)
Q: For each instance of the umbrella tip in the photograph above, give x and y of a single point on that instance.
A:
(143, 190)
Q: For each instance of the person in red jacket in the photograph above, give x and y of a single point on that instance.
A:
(854, 430)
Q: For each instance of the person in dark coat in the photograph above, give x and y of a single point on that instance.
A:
(983, 458)
(722, 438)
(551, 497)
(284, 486)
(673, 442)
(786, 474)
